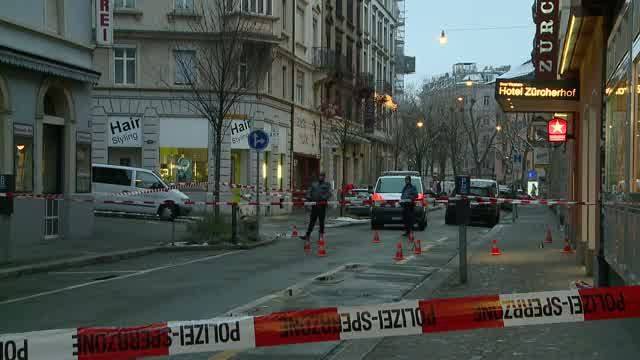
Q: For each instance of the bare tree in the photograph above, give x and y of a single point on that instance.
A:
(473, 128)
(221, 54)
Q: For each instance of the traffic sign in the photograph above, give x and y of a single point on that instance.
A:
(258, 140)
(532, 174)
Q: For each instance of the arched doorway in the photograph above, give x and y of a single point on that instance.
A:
(55, 113)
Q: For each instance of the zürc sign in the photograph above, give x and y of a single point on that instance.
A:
(545, 52)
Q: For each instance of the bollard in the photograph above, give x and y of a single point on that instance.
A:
(234, 223)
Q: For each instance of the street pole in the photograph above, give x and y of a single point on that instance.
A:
(462, 237)
(258, 195)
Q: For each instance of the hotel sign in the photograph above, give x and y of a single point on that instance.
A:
(551, 90)
(545, 50)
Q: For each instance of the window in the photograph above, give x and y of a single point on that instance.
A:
(23, 163)
(373, 24)
(54, 13)
(267, 82)
(316, 39)
(366, 62)
(350, 10)
(339, 8)
(184, 4)
(185, 66)
(486, 101)
(280, 171)
(300, 24)
(386, 46)
(242, 79)
(145, 180)
(184, 164)
(284, 82)
(124, 4)
(125, 65)
(636, 138)
(379, 29)
(265, 169)
(283, 16)
(366, 19)
(616, 135)
(105, 175)
(350, 56)
(300, 87)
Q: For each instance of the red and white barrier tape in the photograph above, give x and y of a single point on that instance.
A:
(411, 317)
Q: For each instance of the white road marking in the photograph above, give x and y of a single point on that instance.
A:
(92, 272)
(138, 273)
(442, 239)
(405, 260)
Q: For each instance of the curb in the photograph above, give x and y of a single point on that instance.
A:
(122, 255)
(76, 261)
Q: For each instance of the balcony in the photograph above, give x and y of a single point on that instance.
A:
(365, 84)
(384, 87)
(332, 61)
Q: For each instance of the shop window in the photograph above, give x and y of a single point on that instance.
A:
(281, 172)
(83, 167)
(23, 163)
(184, 164)
(617, 131)
(265, 169)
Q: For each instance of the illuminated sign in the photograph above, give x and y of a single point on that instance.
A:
(553, 90)
(557, 130)
(104, 22)
(545, 52)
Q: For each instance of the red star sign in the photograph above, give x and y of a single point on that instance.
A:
(557, 130)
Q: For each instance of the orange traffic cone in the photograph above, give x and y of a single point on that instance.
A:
(417, 247)
(399, 255)
(495, 250)
(567, 248)
(322, 251)
(294, 233)
(307, 247)
(548, 239)
(376, 237)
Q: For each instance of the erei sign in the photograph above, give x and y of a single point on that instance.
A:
(104, 22)
(557, 130)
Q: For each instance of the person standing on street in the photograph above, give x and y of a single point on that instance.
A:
(408, 202)
(320, 191)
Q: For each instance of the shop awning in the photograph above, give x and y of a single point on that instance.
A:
(519, 91)
(36, 63)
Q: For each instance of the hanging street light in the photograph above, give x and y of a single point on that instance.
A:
(443, 38)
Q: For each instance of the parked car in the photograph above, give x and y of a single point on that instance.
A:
(362, 207)
(486, 212)
(389, 187)
(506, 193)
(111, 182)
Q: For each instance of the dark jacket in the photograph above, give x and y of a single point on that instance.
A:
(409, 192)
(319, 191)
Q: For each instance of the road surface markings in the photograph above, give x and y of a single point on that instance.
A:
(405, 260)
(92, 272)
(135, 274)
(442, 239)
(225, 355)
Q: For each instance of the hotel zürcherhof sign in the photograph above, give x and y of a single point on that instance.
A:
(550, 90)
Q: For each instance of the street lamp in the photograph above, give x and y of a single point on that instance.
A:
(443, 38)
(498, 128)
(469, 83)
(460, 98)
(420, 124)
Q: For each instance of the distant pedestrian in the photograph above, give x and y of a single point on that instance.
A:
(319, 191)
(408, 202)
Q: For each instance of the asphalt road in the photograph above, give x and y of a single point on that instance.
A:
(197, 285)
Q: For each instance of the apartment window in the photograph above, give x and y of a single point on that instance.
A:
(350, 10)
(284, 82)
(54, 13)
(267, 82)
(185, 66)
(486, 101)
(184, 4)
(366, 19)
(385, 37)
(124, 4)
(380, 29)
(316, 39)
(262, 7)
(339, 8)
(373, 24)
(300, 24)
(366, 62)
(243, 77)
(283, 16)
(385, 73)
(300, 87)
(349, 55)
(125, 66)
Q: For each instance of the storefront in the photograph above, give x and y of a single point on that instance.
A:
(183, 150)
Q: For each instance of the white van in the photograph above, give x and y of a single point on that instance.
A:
(111, 183)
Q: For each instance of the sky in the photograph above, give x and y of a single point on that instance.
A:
(427, 18)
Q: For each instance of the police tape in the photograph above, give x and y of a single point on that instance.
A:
(409, 317)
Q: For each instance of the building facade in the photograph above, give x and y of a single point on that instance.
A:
(46, 74)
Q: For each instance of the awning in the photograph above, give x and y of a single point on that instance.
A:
(36, 63)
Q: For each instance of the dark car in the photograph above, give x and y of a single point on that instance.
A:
(360, 206)
(386, 207)
(488, 213)
(506, 193)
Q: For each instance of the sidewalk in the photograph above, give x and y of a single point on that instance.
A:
(522, 267)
